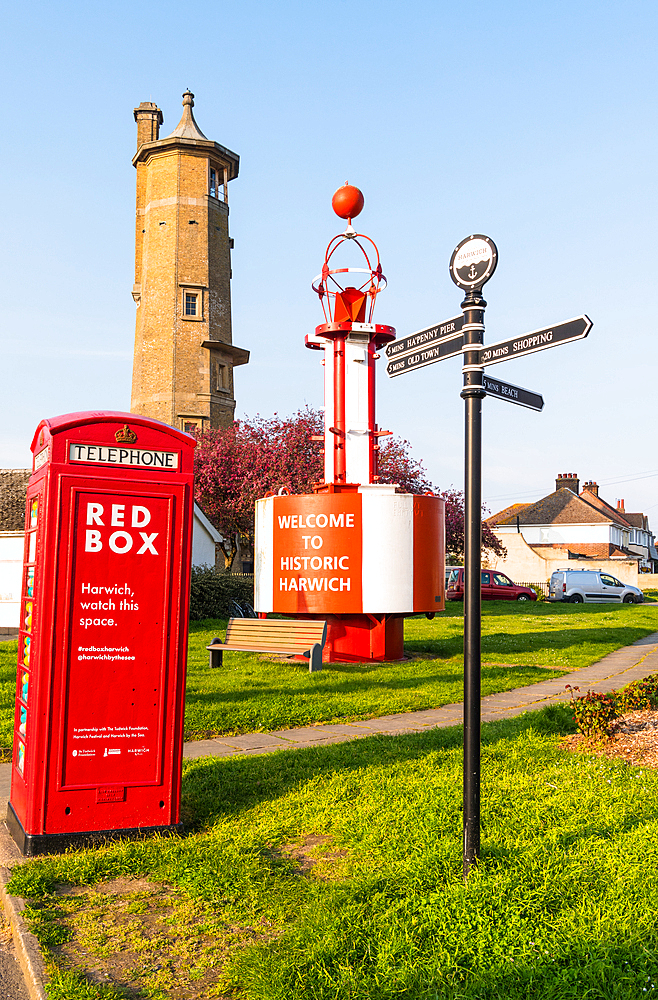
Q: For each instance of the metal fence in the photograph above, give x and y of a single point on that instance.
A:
(541, 587)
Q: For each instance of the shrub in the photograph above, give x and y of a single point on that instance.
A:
(594, 713)
(639, 694)
(211, 593)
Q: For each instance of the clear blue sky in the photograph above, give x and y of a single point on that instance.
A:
(532, 123)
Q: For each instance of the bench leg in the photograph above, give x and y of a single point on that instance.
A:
(315, 659)
(216, 658)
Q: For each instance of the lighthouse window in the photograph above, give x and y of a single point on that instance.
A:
(220, 379)
(216, 183)
(191, 303)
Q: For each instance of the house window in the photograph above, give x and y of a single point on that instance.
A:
(213, 182)
(190, 427)
(191, 302)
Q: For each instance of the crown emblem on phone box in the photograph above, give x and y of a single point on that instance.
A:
(125, 436)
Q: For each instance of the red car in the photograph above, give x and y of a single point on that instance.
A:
(495, 587)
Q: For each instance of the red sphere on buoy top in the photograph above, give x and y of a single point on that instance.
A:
(347, 202)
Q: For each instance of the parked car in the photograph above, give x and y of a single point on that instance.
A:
(494, 586)
(591, 586)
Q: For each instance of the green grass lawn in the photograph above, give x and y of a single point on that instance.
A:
(521, 645)
(335, 873)
(520, 642)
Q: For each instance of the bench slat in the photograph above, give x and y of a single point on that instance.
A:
(273, 625)
(250, 623)
(275, 636)
(252, 648)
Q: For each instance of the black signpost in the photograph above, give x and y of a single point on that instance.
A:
(472, 263)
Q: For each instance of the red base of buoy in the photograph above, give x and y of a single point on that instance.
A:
(363, 638)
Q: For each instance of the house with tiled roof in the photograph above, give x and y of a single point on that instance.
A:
(13, 487)
(639, 539)
(572, 528)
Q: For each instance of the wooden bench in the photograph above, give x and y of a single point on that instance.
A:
(290, 636)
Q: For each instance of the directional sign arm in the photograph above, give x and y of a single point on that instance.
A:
(432, 335)
(428, 356)
(537, 340)
(512, 393)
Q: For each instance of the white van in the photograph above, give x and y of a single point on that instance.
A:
(591, 586)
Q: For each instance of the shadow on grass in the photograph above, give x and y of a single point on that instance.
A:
(334, 681)
(214, 787)
(531, 642)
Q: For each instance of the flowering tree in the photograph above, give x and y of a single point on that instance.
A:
(455, 529)
(396, 465)
(237, 465)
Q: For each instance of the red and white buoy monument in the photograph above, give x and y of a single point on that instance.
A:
(355, 552)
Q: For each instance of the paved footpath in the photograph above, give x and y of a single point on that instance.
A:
(613, 671)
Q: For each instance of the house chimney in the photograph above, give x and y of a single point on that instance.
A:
(149, 119)
(569, 481)
(620, 506)
(591, 487)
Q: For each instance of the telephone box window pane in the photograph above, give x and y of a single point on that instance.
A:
(190, 304)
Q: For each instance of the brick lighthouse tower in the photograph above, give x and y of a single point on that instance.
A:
(184, 355)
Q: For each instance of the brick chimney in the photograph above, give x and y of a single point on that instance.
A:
(569, 481)
(149, 119)
(591, 488)
(620, 506)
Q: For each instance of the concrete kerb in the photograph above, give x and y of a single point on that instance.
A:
(615, 670)
(28, 950)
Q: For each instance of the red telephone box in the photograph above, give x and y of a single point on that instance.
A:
(102, 648)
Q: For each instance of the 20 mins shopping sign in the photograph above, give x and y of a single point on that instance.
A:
(530, 343)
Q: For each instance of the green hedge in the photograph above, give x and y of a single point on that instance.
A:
(211, 593)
